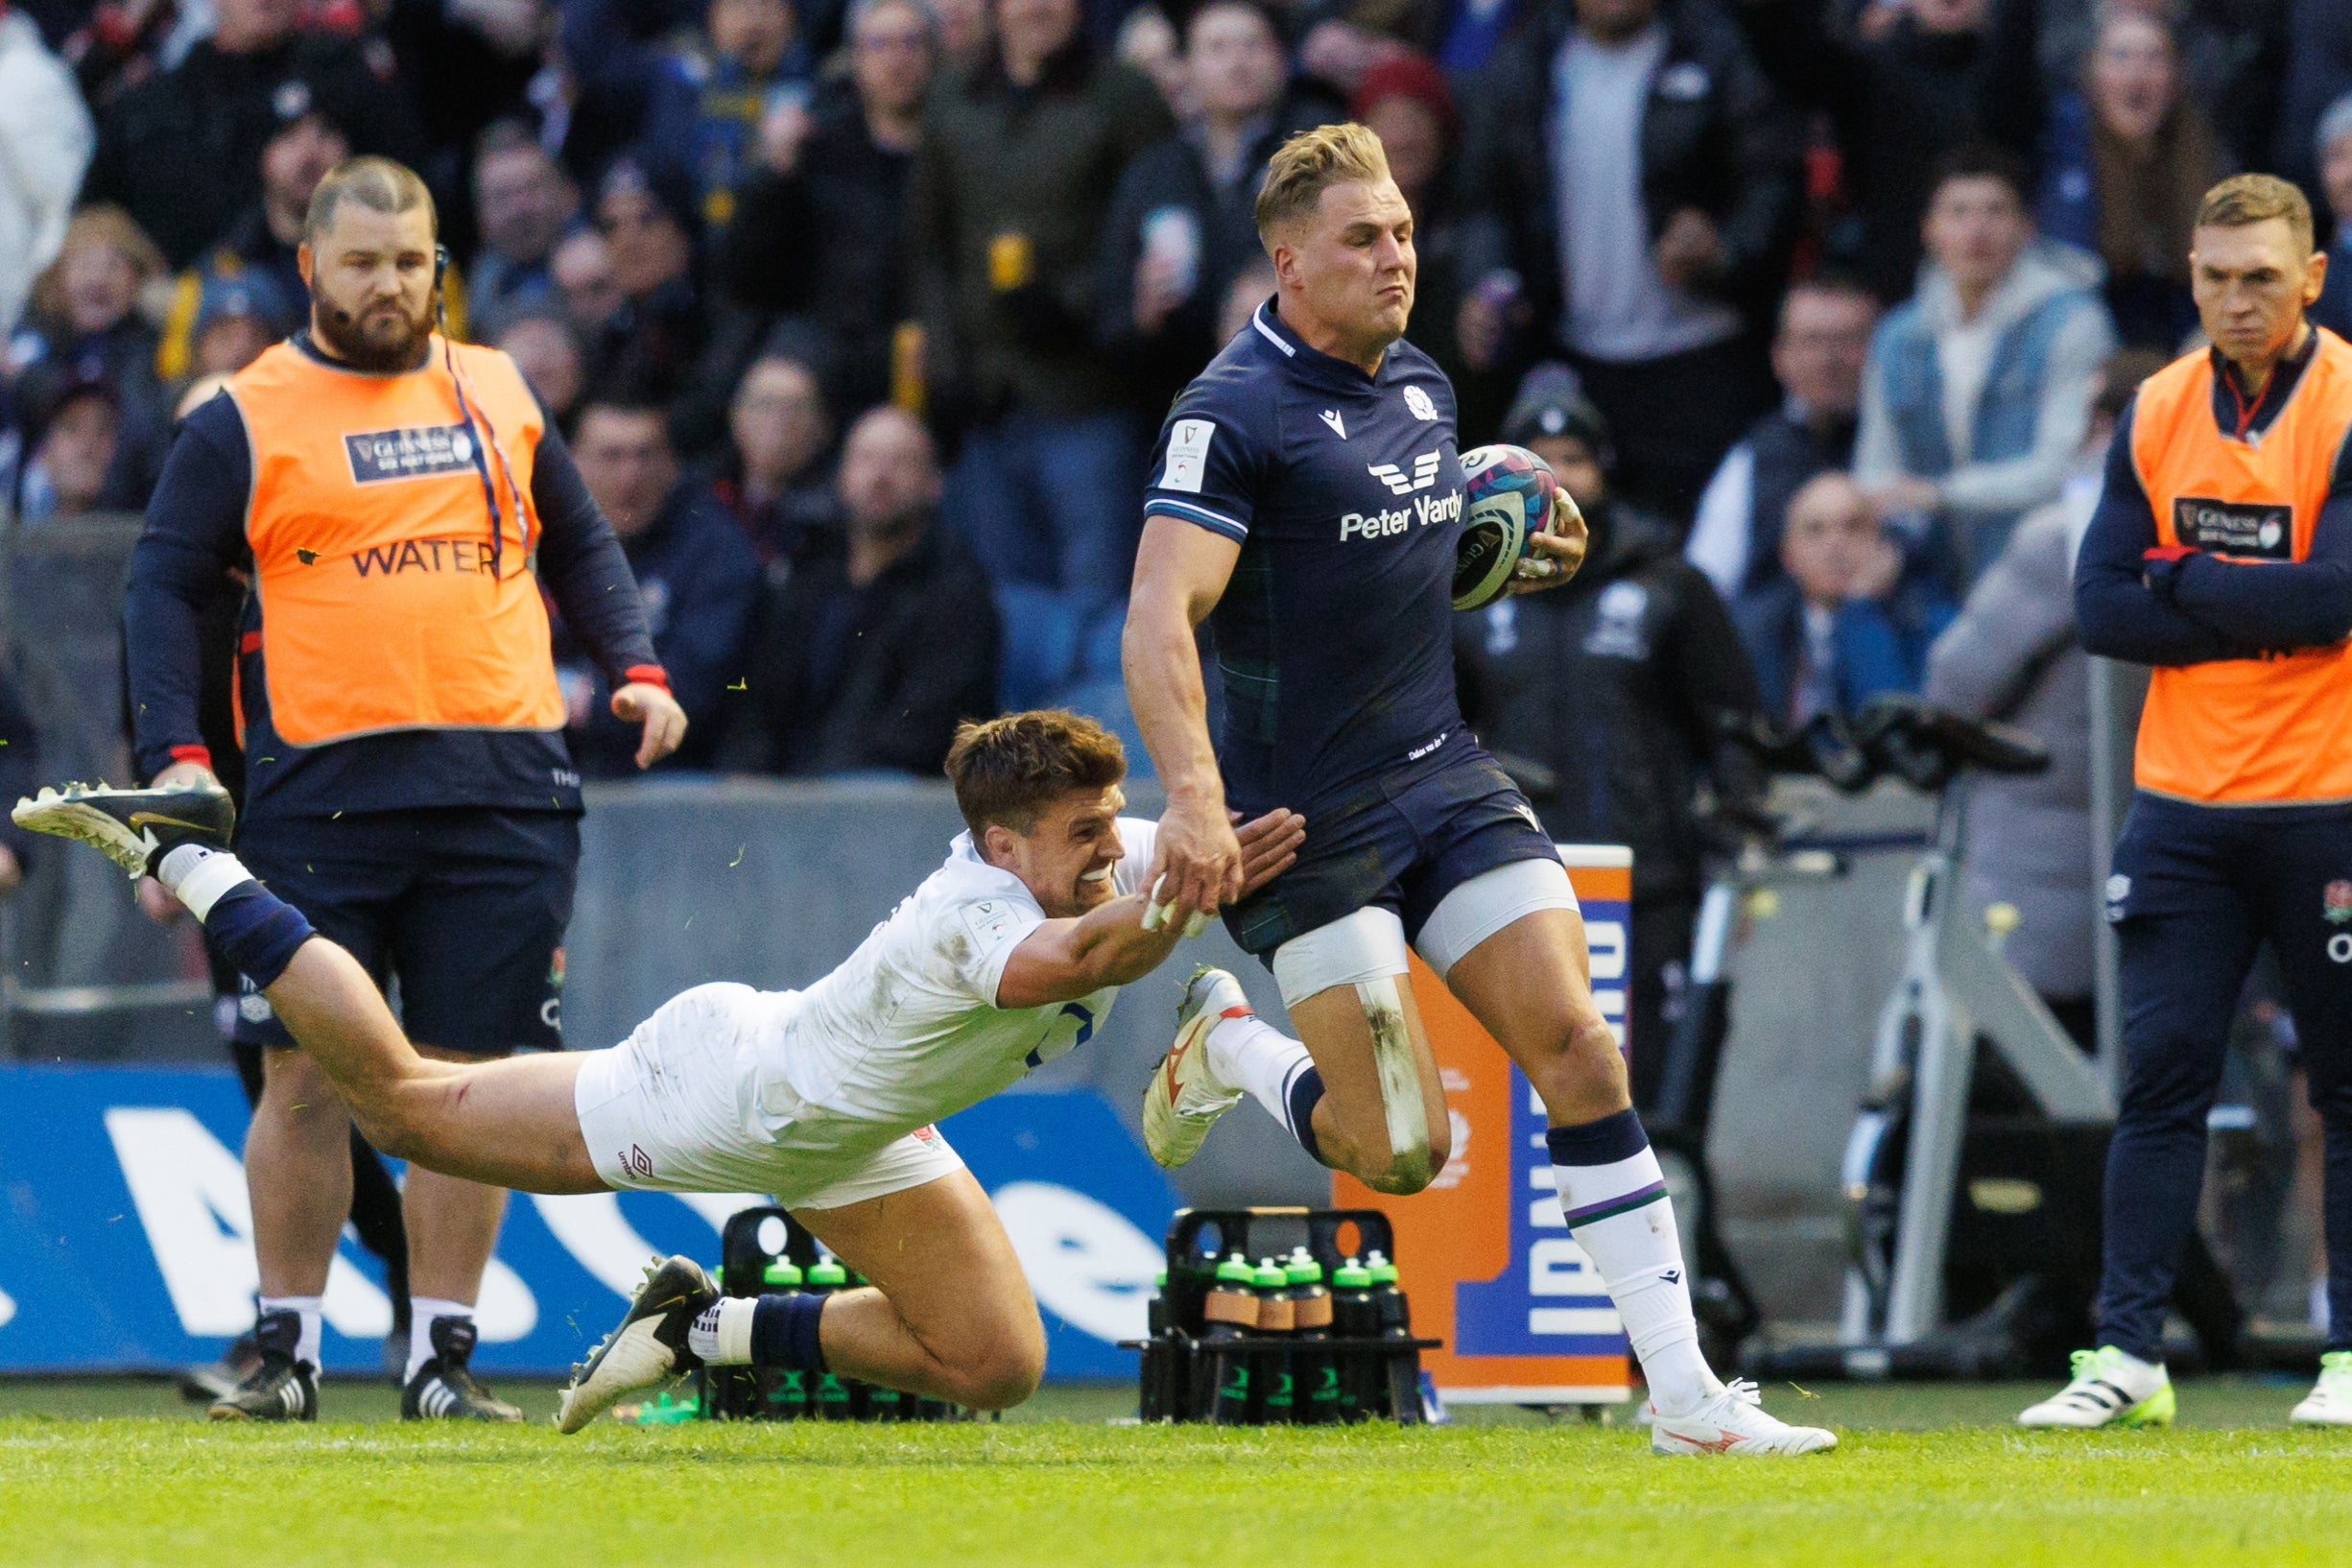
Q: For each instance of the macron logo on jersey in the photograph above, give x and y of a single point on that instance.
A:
(1339, 426)
(1424, 473)
(1188, 455)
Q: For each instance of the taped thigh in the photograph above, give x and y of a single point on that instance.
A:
(1488, 903)
(1352, 950)
(1366, 951)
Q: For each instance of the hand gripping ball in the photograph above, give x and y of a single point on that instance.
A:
(1509, 500)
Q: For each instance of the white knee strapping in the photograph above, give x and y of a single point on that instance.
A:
(1486, 904)
(1366, 950)
(1352, 950)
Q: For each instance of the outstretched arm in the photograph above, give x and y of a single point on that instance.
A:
(1182, 569)
(1064, 960)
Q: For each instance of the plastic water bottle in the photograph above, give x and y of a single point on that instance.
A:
(1400, 1390)
(1275, 1315)
(1355, 1314)
(784, 1395)
(1230, 1312)
(1315, 1391)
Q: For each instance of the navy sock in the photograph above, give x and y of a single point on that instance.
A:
(1304, 1094)
(1605, 1142)
(256, 931)
(784, 1333)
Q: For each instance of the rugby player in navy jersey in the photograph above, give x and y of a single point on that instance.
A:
(1306, 493)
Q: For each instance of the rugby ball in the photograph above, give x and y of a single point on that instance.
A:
(1509, 500)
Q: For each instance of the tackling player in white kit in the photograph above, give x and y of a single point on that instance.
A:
(1008, 955)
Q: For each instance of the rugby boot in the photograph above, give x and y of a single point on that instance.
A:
(279, 1387)
(133, 828)
(2329, 1400)
(444, 1387)
(1734, 1421)
(648, 1346)
(1184, 1096)
(2109, 1388)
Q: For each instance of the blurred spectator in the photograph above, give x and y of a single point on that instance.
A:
(653, 339)
(820, 230)
(1669, 167)
(2233, 59)
(773, 477)
(2127, 159)
(964, 29)
(2334, 310)
(702, 126)
(2318, 73)
(1980, 386)
(1849, 620)
(590, 290)
(1405, 102)
(881, 638)
(1818, 357)
(467, 64)
(45, 141)
(236, 319)
(84, 309)
(523, 204)
(547, 351)
(20, 774)
(2014, 654)
(1922, 78)
(1344, 39)
(698, 579)
(1184, 220)
(1014, 177)
(261, 243)
(72, 453)
(183, 152)
(1603, 699)
(1149, 41)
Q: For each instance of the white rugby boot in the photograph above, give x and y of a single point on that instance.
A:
(2110, 1389)
(2329, 1400)
(1734, 1421)
(1185, 1097)
(648, 1344)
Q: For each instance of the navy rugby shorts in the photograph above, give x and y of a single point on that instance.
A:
(1402, 842)
(463, 906)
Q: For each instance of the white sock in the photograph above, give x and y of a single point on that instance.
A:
(198, 876)
(422, 1310)
(1639, 1254)
(721, 1336)
(1254, 1055)
(314, 1325)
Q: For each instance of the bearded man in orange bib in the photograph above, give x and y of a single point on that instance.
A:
(2222, 554)
(398, 502)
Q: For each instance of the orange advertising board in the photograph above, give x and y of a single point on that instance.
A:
(1484, 1253)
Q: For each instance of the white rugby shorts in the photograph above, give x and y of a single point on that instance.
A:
(672, 1109)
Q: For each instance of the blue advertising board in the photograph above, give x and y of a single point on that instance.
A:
(125, 1234)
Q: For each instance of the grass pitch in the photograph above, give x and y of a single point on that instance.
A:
(1057, 1487)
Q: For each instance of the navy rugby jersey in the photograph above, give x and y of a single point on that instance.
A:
(1345, 492)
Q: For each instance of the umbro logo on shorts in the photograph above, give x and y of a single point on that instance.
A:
(637, 1161)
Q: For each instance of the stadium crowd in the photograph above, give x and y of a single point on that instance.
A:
(859, 314)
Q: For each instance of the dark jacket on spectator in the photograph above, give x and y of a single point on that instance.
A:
(1714, 137)
(1040, 162)
(699, 583)
(182, 151)
(775, 528)
(1174, 173)
(1878, 645)
(1780, 453)
(1899, 105)
(827, 244)
(845, 679)
(1611, 686)
(2333, 309)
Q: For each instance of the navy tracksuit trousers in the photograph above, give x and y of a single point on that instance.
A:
(2196, 891)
